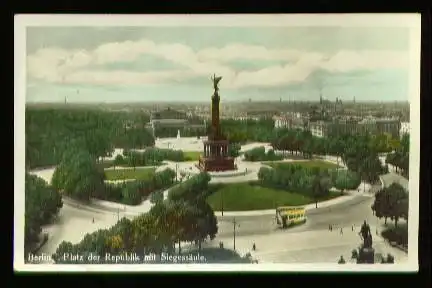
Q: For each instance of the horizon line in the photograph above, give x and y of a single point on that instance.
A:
(229, 101)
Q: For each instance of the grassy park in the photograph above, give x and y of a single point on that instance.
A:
(121, 174)
(305, 164)
(191, 155)
(247, 196)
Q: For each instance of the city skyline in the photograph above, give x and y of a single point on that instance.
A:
(167, 64)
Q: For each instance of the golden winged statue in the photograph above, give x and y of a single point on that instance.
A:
(216, 81)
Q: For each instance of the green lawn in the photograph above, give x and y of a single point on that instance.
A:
(245, 196)
(121, 174)
(306, 164)
(192, 155)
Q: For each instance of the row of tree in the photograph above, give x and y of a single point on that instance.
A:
(149, 157)
(183, 217)
(358, 152)
(242, 131)
(313, 182)
(155, 156)
(79, 177)
(300, 140)
(133, 192)
(400, 157)
(42, 203)
(259, 154)
(50, 132)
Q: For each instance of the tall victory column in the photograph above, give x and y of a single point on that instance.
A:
(215, 157)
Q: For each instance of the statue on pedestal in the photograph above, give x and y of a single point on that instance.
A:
(366, 235)
(366, 252)
(216, 148)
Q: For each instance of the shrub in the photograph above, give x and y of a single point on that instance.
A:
(397, 234)
(390, 259)
(131, 194)
(354, 254)
(259, 154)
(341, 260)
(156, 197)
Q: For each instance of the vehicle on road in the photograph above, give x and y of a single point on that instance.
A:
(288, 216)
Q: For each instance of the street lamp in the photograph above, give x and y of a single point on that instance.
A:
(222, 208)
(176, 168)
(235, 225)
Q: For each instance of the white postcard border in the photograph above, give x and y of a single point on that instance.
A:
(411, 21)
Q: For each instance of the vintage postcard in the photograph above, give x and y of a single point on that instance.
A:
(217, 143)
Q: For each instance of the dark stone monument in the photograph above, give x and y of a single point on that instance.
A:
(366, 252)
(215, 156)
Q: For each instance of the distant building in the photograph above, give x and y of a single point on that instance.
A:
(170, 119)
(317, 129)
(353, 127)
(388, 126)
(281, 122)
(405, 128)
(290, 121)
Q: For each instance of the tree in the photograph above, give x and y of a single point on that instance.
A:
(320, 187)
(336, 147)
(234, 150)
(42, 203)
(124, 229)
(50, 132)
(341, 183)
(156, 197)
(391, 202)
(78, 176)
(118, 160)
(380, 207)
(193, 193)
(131, 194)
(133, 159)
(370, 169)
(144, 229)
(397, 202)
(309, 148)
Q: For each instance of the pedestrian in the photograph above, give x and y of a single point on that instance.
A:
(93, 220)
(341, 232)
(352, 228)
(329, 227)
(254, 247)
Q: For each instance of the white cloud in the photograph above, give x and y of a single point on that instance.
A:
(122, 77)
(77, 66)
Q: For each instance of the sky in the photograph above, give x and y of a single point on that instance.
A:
(172, 64)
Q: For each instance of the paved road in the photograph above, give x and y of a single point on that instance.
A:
(352, 212)
(346, 214)
(73, 223)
